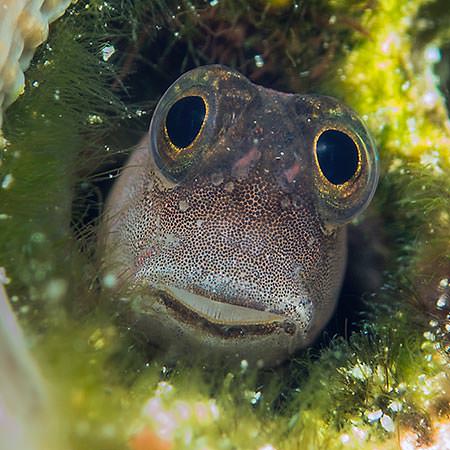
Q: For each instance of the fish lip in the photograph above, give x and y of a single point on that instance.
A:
(220, 312)
(217, 315)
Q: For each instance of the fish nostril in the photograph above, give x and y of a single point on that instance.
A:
(289, 327)
(301, 107)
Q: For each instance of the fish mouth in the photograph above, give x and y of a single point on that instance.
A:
(222, 317)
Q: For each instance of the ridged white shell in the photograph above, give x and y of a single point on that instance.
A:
(23, 27)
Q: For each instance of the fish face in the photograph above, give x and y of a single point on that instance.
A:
(231, 214)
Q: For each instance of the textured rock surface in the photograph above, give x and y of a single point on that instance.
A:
(23, 27)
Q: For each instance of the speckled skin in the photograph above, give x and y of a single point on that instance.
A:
(243, 216)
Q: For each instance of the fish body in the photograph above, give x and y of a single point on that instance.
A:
(231, 214)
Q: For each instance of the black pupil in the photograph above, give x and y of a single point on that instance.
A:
(184, 120)
(337, 155)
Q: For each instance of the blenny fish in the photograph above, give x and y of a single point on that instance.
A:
(231, 215)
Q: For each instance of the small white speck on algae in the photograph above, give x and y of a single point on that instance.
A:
(109, 281)
(38, 237)
(7, 181)
(259, 61)
(56, 289)
(442, 301)
(107, 51)
(94, 119)
(395, 406)
(387, 423)
(374, 416)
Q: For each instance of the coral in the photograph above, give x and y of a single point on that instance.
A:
(23, 27)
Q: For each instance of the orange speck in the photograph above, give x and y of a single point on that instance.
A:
(146, 439)
(292, 172)
(243, 164)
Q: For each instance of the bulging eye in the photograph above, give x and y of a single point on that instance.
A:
(187, 119)
(182, 126)
(345, 171)
(184, 120)
(344, 160)
(337, 156)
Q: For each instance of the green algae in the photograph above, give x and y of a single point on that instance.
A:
(352, 393)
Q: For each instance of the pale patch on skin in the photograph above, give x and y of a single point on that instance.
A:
(241, 217)
(243, 165)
